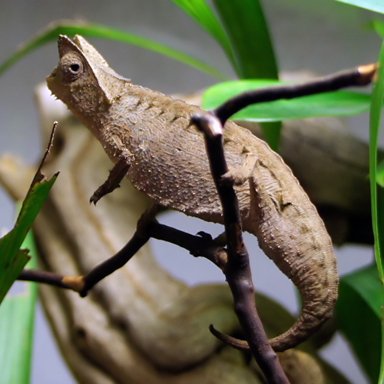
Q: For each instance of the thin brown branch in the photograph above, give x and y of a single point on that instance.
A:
(359, 76)
(44, 277)
(198, 246)
(237, 270)
(38, 175)
(139, 238)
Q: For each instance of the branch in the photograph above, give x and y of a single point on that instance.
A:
(44, 277)
(202, 245)
(237, 271)
(360, 76)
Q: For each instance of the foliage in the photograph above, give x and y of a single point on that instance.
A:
(361, 297)
(341, 103)
(13, 259)
(95, 30)
(17, 314)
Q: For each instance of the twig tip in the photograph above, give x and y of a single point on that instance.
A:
(368, 72)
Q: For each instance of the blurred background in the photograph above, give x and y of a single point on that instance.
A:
(320, 36)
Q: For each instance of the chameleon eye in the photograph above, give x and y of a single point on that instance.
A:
(72, 68)
(75, 68)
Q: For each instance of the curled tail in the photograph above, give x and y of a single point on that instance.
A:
(292, 234)
(299, 332)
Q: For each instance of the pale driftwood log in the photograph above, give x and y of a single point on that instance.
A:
(140, 325)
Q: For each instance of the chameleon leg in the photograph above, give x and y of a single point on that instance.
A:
(115, 176)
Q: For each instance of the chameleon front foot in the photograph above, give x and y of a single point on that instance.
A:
(113, 181)
(239, 175)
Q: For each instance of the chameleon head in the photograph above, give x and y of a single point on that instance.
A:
(83, 80)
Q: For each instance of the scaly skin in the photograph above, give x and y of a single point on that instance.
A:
(152, 134)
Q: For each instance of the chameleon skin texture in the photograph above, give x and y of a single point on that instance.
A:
(151, 132)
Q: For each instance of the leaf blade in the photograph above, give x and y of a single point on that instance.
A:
(202, 13)
(377, 192)
(341, 103)
(251, 43)
(12, 260)
(17, 314)
(248, 32)
(359, 317)
(100, 31)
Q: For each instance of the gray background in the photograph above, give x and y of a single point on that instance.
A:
(322, 36)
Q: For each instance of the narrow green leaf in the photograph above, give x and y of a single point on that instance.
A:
(371, 5)
(379, 27)
(17, 314)
(202, 13)
(12, 260)
(95, 30)
(359, 317)
(377, 192)
(341, 103)
(380, 174)
(248, 32)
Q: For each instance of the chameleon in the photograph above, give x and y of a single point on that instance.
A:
(151, 140)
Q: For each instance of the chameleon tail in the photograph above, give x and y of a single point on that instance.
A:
(297, 334)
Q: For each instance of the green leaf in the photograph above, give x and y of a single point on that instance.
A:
(379, 27)
(17, 314)
(12, 260)
(95, 30)
(380, 174)
(340, 103)
(372, 5)
(248, 32)
(359, 317)
(377, 192)
(245, 39)
(253, 50)
(202, 13)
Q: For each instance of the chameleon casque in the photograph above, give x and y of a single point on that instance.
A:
(150, 138)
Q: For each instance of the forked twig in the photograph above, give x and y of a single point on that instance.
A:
(148, 227)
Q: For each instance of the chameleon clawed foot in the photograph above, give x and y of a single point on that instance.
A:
(115, 176)
(242, 345)
(235, 177)
(204, 235)
(239, 175)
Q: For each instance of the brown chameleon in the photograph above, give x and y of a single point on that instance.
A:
(150, 138)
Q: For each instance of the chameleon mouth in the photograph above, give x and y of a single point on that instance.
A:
(53, 74)
(51, 79)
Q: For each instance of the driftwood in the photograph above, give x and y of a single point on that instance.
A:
(140, 324)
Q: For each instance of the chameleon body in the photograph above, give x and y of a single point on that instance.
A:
(149, 136)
